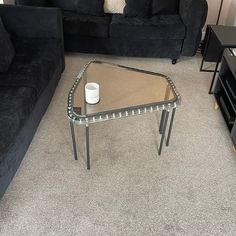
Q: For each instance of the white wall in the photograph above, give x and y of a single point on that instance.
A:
(228, 13)
(231, 17)
(213, 8)
(225, 11)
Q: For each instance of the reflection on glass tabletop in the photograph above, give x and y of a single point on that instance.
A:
(121, 89)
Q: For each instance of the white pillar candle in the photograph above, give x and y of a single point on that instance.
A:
(92, 93)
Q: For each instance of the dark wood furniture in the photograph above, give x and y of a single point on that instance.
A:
(217, 39)
(225, 91)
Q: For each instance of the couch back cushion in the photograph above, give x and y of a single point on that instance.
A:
(138, 8)
(164, 7)
(38, 3)
(7, 51)
(90, 7)
(114, 6)
(67, 5)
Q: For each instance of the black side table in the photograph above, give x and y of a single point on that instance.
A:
(225, 92)
(224, 37)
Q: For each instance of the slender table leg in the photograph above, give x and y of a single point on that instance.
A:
(214, 75)
(202, 64)
(171, 125)
(73, 139)
(208, 31)
(163, 114)
(163, 132)
(87, 147)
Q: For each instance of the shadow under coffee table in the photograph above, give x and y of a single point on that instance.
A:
(124, 92)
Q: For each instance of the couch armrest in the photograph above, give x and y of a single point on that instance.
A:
(33, 22)
(193, 14)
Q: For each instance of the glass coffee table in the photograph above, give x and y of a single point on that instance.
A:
(124, 92)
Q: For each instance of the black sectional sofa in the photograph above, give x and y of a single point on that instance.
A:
(158, 35)
(27, 87)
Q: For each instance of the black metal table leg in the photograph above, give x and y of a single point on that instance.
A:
(214, 75)
(163, 132)
(73, 139)
(202, 64)
(87, 147)
(205, 47)
(171, 125)
(163, 114)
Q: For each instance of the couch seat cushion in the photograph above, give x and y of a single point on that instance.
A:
(157, 27)
(86, 25)
(16, 105)
(33, 66)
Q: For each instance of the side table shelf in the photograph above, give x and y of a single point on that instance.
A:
(225, 92)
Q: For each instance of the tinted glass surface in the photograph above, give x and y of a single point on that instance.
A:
(121, 89)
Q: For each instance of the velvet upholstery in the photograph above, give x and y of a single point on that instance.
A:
(7, 50)
(33, 65)
(91, 7)
(10, 159)
(16, 103)
(193, 14)
(67, 5)
(165, 7)
(38, 3)
(137, 8)
(86, 25)
(125, 47)
(157, 27)
(27, 87)
(44, 23)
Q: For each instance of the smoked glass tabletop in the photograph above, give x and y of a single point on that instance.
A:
(122, 89)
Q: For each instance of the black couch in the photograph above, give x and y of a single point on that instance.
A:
(163, 35)
(27, 87)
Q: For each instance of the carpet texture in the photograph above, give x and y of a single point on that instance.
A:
(189, 190)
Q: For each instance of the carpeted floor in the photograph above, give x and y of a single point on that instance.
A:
(130, 190)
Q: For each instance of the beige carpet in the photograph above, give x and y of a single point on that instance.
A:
(130, 190)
